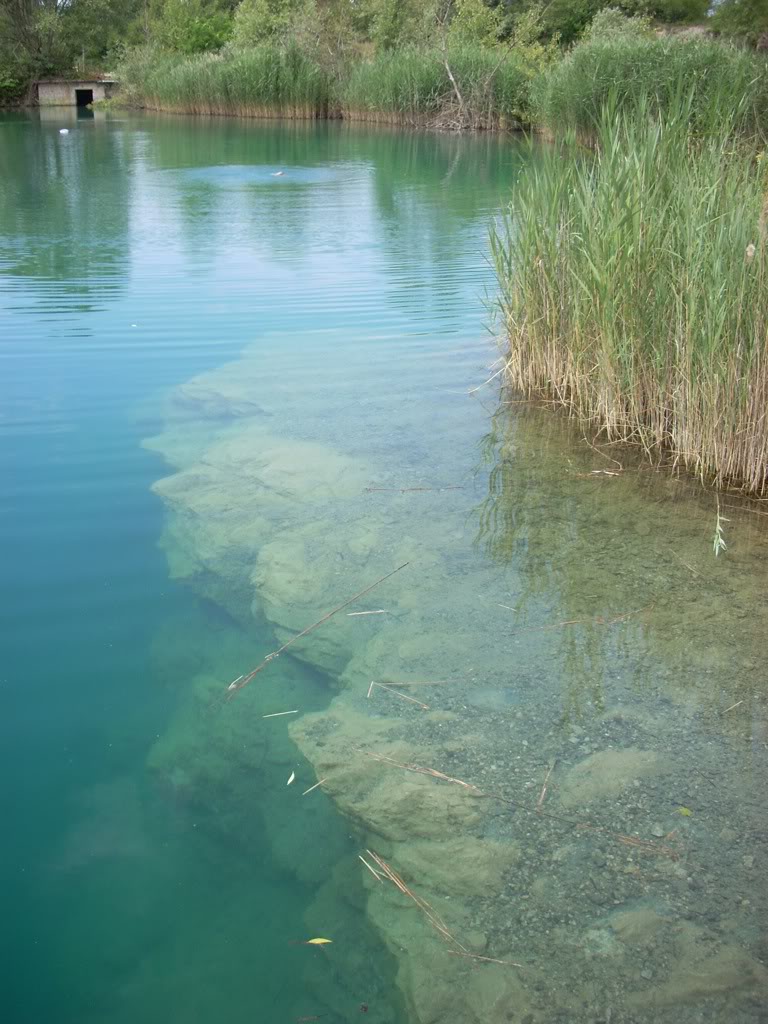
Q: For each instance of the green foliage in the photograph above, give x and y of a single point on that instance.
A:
(742, 19)
(726, 85)
(191, 26)
(91, 28)
(474, 21)
(569, 18)
(392, 23)
(678, 12)
(611, 23)
(39, 38)
(634, 286)
(259, 20)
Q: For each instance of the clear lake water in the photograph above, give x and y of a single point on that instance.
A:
(246, 371)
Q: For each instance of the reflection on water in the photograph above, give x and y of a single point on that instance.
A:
(64, 210)
(577, 679)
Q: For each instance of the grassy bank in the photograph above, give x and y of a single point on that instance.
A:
(466, 85)
(408, 86)
(634, 288)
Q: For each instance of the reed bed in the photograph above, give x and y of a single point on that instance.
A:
(264, 81)
(408, 86)
(634, 288)
(413, 86)
(723, 85)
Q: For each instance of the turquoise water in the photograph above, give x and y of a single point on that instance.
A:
(231, 399)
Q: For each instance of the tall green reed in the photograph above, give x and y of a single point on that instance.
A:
(267, 80)
(634, 288)
(412, 85)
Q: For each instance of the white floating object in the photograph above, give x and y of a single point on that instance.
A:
(63, 131)
(293, 776)
(278, 174)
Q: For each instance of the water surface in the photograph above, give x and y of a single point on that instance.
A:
(238, 372)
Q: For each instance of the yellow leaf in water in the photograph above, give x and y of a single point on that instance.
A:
(685, 811)
(318, 942)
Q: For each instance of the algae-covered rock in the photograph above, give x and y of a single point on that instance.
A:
(385, 801)
(637, 927)
(280, 529)
(218, 394)
(427, 831)
(703, 969)
(606, 774)
(231, 503)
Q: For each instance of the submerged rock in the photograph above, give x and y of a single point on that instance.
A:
(279, 530)
(606, 774)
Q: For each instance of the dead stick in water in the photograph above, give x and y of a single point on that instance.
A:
(598, 620)
(373, 871)
(241, 681)
(429, 911)
(402, 696)
(409, 490)
(315, 786)
(486, 959)
(543, 793)
(421, 682)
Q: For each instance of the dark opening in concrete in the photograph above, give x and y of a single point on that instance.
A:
(83, 97)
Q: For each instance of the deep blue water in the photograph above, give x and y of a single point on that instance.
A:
(134, 253)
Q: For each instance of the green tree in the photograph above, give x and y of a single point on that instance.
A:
(392, 23)
(257, 20)
(474, 21)
(92, 28)
(570, 18)
(191, 26)
(743, 19)
(32, 40)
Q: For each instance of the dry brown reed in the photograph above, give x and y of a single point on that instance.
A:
(430, 913)
(402, 696)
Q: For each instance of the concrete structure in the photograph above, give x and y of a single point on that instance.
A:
(65, 92)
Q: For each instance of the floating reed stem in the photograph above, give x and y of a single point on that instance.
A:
(241, 681)
(598, 620)
(542, 795)
(315, 786)
(430, 913)
(402, 696)
(408, 490)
